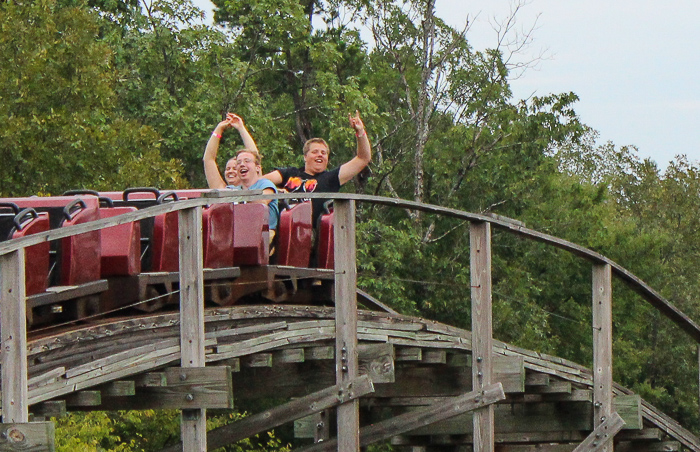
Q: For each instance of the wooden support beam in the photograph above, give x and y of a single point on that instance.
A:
(420, 417)
(602, 346)
(434, 356)
(554, 387)
(120, 388)
(31, 436)
(525, 419)
(193, 424)
(537, 440)
(322, 428)
(320, 352)
(289, 355)
(601, 438)
(13, 327)
(409, 354)
(636, 446)
(629, 407)
(82, 399)
(49, 409)
(409, 381)
(185, 388)
(536, 379)
(257, 360)
(150, 380)
(346, 356)
(274, 417)
(482, 330)
(377, 361)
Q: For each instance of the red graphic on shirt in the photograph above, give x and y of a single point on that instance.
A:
(293, 184)
(297, 184)
(310, 185)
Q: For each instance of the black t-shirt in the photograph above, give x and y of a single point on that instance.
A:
(296, 180)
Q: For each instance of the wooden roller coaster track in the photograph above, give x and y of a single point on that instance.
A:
(372, 375)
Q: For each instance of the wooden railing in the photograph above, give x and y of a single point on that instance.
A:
(15, 407)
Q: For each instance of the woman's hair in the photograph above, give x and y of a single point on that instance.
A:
(311, 141)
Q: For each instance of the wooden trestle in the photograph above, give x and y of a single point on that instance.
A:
(369, 375)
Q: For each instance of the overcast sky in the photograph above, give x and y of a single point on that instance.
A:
(633, 64)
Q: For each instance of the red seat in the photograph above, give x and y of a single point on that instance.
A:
(251, 235)
(121, 247)
(36, 257)
(78, 256)
(159, 235)
(217, 238)
(325, 242)
(294, 236)
(165, 244)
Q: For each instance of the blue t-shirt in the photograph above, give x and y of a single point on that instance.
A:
(262, 184)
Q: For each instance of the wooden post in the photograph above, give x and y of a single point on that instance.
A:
(602, 346)
(482, 329)
(13, 325)
(346, 357)
(193, 426)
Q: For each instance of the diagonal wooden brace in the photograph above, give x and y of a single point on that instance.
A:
(419, 418)
(304, 406)
(602, 435)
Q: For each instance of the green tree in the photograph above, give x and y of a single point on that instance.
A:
(58, 128)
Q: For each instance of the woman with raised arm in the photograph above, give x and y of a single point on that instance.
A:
(242, 171)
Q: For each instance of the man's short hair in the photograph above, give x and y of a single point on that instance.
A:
(256, 154)
(311, 141)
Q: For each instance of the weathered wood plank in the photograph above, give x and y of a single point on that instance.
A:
(46, 377)
(601, 438)
(186, 388)
(482, 330)
(629, 407)
(30, 436)
(193, 424)
(602, 348)
(13, 326)
(346, 354)
(377, 361)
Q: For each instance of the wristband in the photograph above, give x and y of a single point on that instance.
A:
(361, 134)
(217, 135)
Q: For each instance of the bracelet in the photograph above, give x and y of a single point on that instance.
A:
(217, 135)
(361, 134)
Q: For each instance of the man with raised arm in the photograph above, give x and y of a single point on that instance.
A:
(315, 176)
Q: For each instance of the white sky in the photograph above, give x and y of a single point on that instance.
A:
(633, 64)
